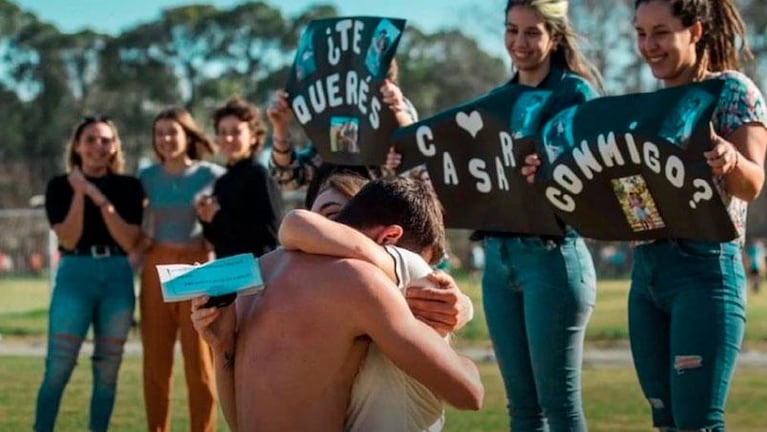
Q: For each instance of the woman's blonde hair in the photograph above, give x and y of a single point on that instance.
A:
(566, 54)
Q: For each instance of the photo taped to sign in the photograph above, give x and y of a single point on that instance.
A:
(637, 203)
(384, 37)
(343, 134)
(340, 66)
(604, 147)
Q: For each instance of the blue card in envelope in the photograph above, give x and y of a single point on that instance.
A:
(235, 274)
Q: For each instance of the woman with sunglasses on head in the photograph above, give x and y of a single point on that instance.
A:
(687, 297)
(539, 291)
(173, 235)
(96, 213)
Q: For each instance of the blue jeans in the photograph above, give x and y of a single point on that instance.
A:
(538, 297)
(87, 290)
(687, 314)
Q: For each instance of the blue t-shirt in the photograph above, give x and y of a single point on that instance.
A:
(568, 89)
(171, 217)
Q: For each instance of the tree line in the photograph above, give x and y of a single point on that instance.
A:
(199, 55)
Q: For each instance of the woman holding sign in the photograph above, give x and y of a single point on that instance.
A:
(538, 292)
(96, 213)
(295, 168)
(687, 298)
(173, 235)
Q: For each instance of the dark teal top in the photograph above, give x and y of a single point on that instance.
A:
(568, 89)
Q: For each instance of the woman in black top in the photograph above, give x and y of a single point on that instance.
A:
(96, 214)
(243, 214)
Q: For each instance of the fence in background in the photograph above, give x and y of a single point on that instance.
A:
(27, 245)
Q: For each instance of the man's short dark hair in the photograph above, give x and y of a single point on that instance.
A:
(404, 202)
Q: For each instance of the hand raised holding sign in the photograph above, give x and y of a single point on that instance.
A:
(279, 113)
(532, 162)
(392, 96)
(393, 160)
(723, 157)
(394, 99)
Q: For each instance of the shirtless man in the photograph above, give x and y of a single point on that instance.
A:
(300, 343)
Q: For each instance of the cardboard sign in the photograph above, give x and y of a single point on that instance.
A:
(334, 87)
(473, 153)
(632, 167)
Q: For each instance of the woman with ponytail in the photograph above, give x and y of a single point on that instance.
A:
(687, 298)
(538, 291)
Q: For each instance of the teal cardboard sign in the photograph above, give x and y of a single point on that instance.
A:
(474, 152)
(632, 167)
(334, 87)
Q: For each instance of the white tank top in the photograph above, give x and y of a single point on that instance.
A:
(384, 398)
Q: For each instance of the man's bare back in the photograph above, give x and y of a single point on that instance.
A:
(298, 345)
(296, 355)
(289, 361)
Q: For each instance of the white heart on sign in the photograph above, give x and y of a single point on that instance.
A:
(471, 123)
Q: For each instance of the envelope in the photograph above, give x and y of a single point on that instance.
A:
(239, 274)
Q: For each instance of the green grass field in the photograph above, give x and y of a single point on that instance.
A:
(24, 306)
(612, 398)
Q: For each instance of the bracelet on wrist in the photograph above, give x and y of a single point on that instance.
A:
(281, 151)
(285, 140)
(278, 165)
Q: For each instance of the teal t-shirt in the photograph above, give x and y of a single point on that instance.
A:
(568, 89)
(170, 214)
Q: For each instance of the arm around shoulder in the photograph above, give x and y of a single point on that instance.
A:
(381, 312)
(313, 233)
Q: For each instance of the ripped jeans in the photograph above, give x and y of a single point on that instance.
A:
(87, 290)
(686, 321)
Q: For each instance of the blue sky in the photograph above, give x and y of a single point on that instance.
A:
(112, 16)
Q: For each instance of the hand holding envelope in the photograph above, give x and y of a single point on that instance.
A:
(235, 274)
